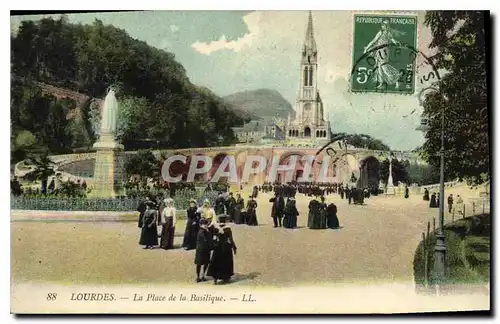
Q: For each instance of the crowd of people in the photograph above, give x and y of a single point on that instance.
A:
(206, 232)
(206, 228)
(434, 201)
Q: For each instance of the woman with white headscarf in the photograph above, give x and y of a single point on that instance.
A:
(168, 221)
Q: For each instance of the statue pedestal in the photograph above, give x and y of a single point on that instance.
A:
(390, 190)
(108, 169)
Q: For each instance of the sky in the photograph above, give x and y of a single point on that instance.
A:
(231, 51)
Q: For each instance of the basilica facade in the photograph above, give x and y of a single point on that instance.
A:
(309, 121)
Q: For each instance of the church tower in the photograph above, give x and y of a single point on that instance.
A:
(309, 120)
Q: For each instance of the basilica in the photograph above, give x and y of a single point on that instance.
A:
(309, 123)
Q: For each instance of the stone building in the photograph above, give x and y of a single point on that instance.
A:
(256, 131)
(309, 121)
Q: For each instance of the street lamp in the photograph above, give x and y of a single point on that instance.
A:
(440, 248)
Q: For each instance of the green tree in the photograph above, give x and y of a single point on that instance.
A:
(363, 141)
(459, 38)
(399, 171)
(25, 140)
(159, 102)
(22, 143)
(423, 174)
(144, 164)
(43, 169)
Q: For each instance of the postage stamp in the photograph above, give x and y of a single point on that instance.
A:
(383, 60)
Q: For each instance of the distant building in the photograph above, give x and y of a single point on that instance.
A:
(257, 130)
(309, 122)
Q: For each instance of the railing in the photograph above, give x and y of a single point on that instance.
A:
(181, 201)
(448, 184)
(74, 204)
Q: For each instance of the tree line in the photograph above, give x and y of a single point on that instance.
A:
(159, 102)
(459, 38)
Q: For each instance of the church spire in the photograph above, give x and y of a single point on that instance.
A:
(310, 43)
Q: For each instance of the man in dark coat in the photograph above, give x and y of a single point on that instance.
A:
(350, 194)
(149, 232)
(204, 244)
(450, 203)
(255, 192)
(277, 209)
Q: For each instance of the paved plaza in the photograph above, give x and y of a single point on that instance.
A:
(376, 244)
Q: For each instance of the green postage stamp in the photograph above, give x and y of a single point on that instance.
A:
(384, 52)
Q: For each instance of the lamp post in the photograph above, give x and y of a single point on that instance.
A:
(440, 247)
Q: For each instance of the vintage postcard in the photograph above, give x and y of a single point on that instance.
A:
(250, 162)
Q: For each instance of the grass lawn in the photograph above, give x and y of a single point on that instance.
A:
(467, 256)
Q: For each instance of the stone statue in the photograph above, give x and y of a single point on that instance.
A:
(109, 114)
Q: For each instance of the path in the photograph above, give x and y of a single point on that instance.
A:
(376, 244)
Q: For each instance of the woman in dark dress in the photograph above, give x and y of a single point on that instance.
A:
(149, 232)
(192, 226)
(168, 221)
(407, 192)
(142, 209)
(222, 265)
(323, 218)
(204, 244)
(220, 204)
(426, 194)
(433, 203)
(291, 213)
(240, 204)
(252, 212)
(332, 219)
(316, 219)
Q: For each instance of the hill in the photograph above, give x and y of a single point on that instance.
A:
(159, 102)
(261, 103)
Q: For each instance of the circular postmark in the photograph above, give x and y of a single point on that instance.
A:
(375, 71)
(421, 74)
